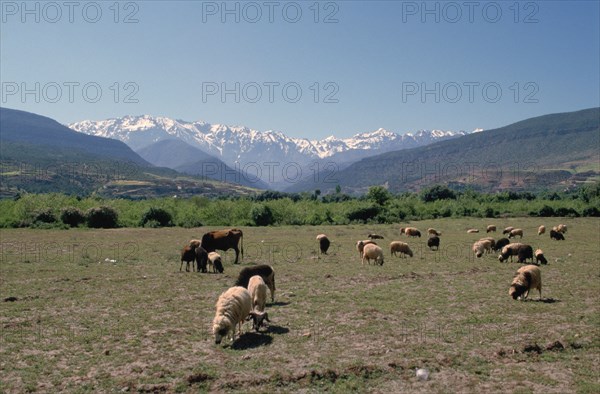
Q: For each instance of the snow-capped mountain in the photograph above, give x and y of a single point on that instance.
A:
(238, 144)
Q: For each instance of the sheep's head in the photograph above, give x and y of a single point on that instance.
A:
(220, 334)
(501, 258)
(219, 265)
(258, 318)
(220, 329)
(517, 291)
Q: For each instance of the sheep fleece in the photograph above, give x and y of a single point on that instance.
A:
(233, 306)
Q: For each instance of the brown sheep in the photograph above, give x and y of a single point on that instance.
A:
(490, 228)
(539, 257)
(400, 247)
(412, 232)
(526, 278)
(541, 230)
(194, 243)
(188, 254)
(561, 228)
(323, 243)
(480, 247)
(492, 241)
(509, 250)
(556, 235)
(432, 231)
(514, 232)
(502, 242)
(433, 241)
(375, 236)
(507, 230)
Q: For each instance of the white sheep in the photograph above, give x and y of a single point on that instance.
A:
(480, 247)
(472, 231)
(361, 244)
(507, 230)
(514, 232)
(492, 242)
(490, 228)
(372, 252)
(233, 306)
(400, 247)
(526, 278)
(561, 228)
(258, 291)
(214, 260)
(541, 230)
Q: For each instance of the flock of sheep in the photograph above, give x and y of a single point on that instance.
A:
(246, 300)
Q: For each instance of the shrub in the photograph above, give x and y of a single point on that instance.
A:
(44, 216)
(158, 216)
(72, 216)
(566, 212)
(591, 211)
(437, 192)
(545, 211)
(363, 214)
(378, 194)
(102, 217)
(262, 215)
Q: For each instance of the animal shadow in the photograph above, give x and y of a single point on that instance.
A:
(279, 303)
(548, 300)
(251, 340)
(271, 329)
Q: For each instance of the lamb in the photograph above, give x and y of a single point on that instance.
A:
(400, 247)
(188, 255)
(556, 235)
(432, 231)
(526, 278)
(323, 243)
(541, 230)
(265, 271)
(433, 241)
(372, 252)
(507, 230)
(539, 257)
(361, 244)
(233, 306)
(514, 232)
(201, 259)
(214, 259)
(502, 242)
(480, 247)
(492, 242)
(490, 228)
(375, 236)
(412, 232)
(258, 291)
(472, 230)
(194, 243)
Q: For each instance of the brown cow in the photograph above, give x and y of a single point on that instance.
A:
(224, 240)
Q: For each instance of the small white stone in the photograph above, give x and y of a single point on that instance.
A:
(422, 374)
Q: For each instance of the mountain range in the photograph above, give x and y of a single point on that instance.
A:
(268, 155)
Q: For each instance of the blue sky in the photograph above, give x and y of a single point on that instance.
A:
(482, 65)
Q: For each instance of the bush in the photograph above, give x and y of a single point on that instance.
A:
(262, 215)
(102, 217)
(44, 216)
(566, 212)
(158, 216)
(545, 211)
(72, 216)
(363, 214)
(591, 211)
(437, 192)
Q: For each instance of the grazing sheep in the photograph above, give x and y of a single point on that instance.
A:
(480, 247)
(214, 260)
(525, 252)
(432, 231)
(507, 230)
(526, 278)
(201, 259)
(361, 244)
(265, 271)
(194, 243)
(539, 257)
(233, 306)
(258, 291)
(375, 236)
(509, 250)
(372, 252)
(323, 243)
(492, 242)
(433, 241)
(502, 242)
(541, 230)
(472, 230)
(556, 235)
(400, 247)
(188, 255)
(412, 232)
(514, 232)
(561, 228)
(490, 228)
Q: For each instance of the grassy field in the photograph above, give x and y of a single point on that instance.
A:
(109, 311)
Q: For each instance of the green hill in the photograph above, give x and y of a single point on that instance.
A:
(549, 151)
